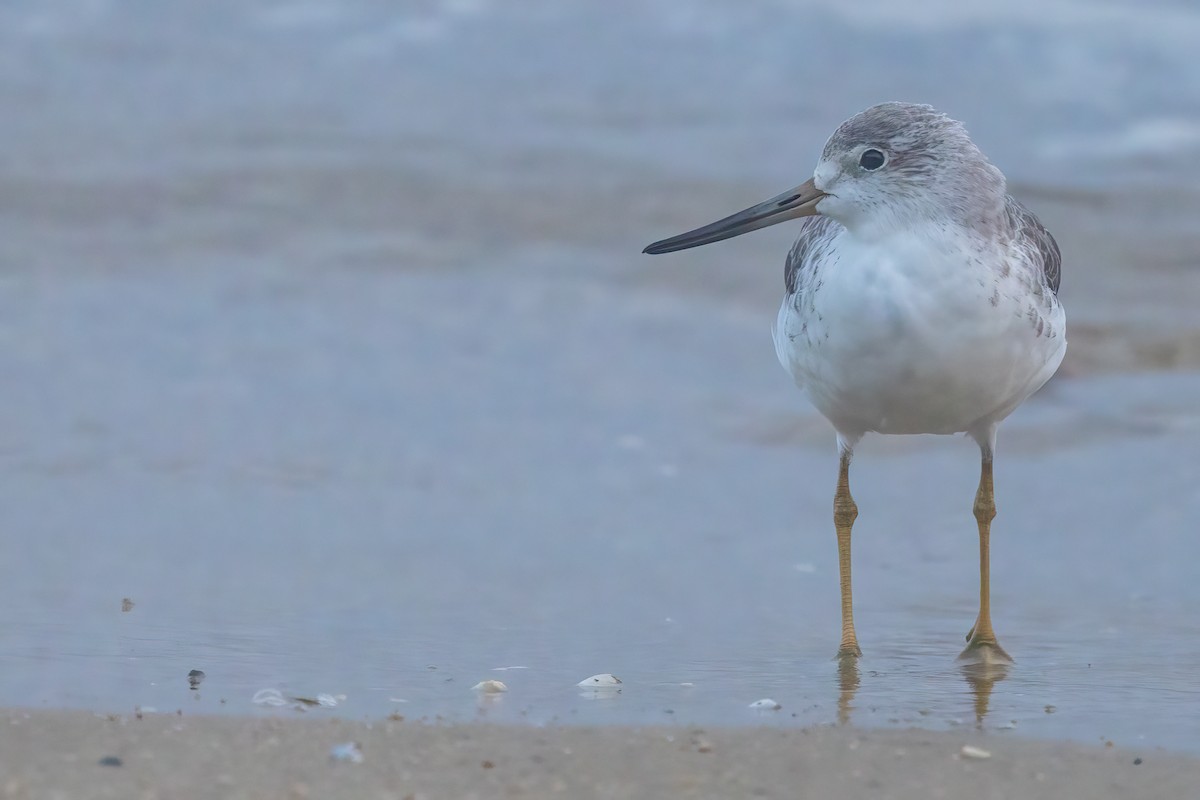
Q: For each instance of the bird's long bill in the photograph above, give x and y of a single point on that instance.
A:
(798, 202)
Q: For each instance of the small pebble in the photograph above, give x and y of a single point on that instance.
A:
(350, 751)
(490, 687)
(766, 704)
(603, 679)
(113, 761)
(969, 751)
(1137, 761)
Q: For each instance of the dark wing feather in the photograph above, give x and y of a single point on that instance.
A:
(800, 269)
(1028, 229)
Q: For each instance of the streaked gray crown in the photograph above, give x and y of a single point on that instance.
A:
(930, 156)
(903, 127)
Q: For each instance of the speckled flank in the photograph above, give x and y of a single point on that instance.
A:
(802, 268)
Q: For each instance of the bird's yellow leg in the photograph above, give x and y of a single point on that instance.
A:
(981, 639)
(844, 514)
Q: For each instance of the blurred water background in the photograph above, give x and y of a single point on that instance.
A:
(325, 337)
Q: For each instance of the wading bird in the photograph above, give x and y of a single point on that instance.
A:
(921, 298)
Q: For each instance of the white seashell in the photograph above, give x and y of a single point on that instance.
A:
(268, 697)
(603, 679)
(490, 687)
(766, 704)
(970, 751)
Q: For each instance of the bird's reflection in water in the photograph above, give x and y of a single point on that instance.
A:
(981, 677)
(848, 680)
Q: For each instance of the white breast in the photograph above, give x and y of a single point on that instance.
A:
(921, 332)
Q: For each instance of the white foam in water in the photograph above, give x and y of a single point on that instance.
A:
(1141, 138)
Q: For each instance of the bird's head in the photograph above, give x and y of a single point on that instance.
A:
(885, 168)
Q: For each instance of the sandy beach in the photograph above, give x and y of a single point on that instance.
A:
(49, 754)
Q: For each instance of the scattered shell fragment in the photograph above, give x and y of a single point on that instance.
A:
(322, 700)
(269, 697)
(603, 679)
(490, 687)
(195, 678)
(970, 751)
(126, 605)
(766, 704)
(110, 761)
(350, 751)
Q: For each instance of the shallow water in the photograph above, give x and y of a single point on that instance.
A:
(354, 400)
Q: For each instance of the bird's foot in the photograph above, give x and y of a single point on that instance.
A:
(984, 650)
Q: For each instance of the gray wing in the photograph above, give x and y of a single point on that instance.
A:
(1034, 237)
(801, 270)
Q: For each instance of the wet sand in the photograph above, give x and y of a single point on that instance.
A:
(81, 755)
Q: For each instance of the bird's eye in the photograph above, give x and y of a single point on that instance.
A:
(871, 160)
